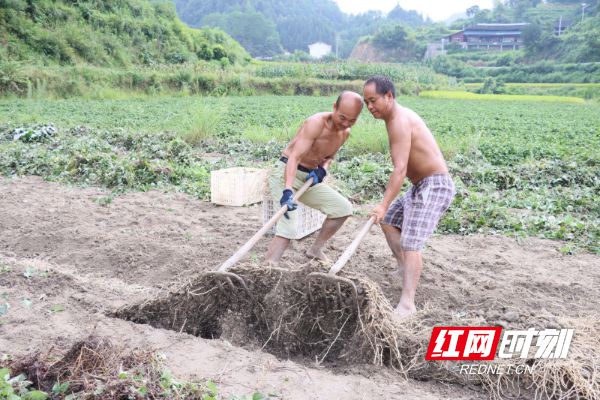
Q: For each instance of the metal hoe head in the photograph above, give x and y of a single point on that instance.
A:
(332, 277)
(230, 278)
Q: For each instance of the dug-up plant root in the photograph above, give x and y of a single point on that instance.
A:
(278, 315)
(321, 323)
(96, 368)
(576, 377)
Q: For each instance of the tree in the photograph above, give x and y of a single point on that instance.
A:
(531, 36)
(411, 18)
(254, 32)
(472, 11)
(483, 16)
(519, 7)
(501, 13)
(391, 36)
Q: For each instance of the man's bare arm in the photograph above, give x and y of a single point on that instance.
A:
(400, 142)
(305, 138)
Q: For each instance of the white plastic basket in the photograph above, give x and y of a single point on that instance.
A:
(307, 219)
(237, 186)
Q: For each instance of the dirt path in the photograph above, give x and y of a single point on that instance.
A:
(90, 258)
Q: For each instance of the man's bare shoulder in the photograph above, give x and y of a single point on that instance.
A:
(401, 121)
(315, 124)
(408, 115)
(406, 120)
(318, 118)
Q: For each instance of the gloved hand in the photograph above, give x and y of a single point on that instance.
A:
(288, 200)
(318, 174)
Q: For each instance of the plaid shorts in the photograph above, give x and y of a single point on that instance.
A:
(418, 212)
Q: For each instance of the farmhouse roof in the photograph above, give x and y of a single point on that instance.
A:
(497, 27)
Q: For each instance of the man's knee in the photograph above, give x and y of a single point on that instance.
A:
(342, 209)
(389, 230)
(413, 258)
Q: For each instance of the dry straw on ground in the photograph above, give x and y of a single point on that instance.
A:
(95, 368)
(278, 315)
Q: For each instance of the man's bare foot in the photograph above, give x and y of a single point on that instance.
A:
(401, 312)
(318, 255)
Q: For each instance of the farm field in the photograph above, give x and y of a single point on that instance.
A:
(112, 196)
(523, 168)
(581, 90)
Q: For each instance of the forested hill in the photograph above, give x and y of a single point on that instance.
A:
(107, 33)
(268, 27)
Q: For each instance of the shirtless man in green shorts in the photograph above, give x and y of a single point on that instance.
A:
(309, 154)
(409, 220)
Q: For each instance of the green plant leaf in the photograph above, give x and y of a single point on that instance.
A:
(29, 272)
(212, 388)
(57, 308)
(35, 395)
(59, 388)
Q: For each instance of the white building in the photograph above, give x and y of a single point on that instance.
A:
(319, 49)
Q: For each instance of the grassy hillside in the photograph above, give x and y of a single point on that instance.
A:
(118, 33)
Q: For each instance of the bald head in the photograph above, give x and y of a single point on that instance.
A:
(348, 96)
(346, 109)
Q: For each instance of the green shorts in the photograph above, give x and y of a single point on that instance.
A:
(321, 197)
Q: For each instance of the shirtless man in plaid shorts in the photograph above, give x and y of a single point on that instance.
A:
(408, 221)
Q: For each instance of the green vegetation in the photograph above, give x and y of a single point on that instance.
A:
(522, 168)
(514, 71)
(290, 25)
(120, 33)
(581, 90)
(159, 383)
(441, 94)
(17, 387)
(401, 74)
(271, 26)
(572, 56)
(251, 29)
(208, 78)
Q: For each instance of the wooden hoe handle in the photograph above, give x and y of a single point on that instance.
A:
(339, 264)
(238, 255)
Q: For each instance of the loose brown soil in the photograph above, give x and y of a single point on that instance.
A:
(92, 258)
